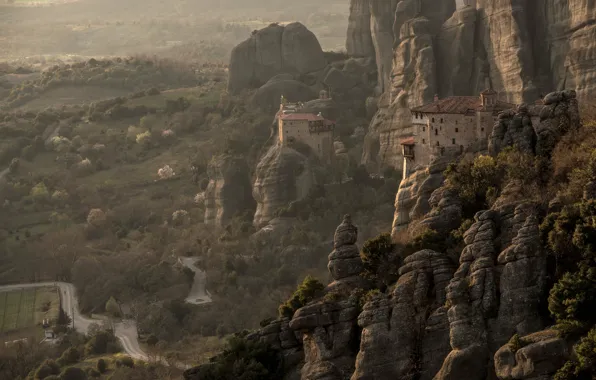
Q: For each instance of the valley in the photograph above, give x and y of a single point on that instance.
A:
(279, 191)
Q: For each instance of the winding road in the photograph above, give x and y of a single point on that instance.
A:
(125, 330)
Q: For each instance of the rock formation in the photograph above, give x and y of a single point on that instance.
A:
(407, 332)
(494, 296)
(267, 96)
(345, 264)
(536, 129)
(359, 41)
(524, 47)
(271, 51)
(541, 355)
(416, 196)
(329, 327)
(283, 175)
(279, 336)
(228, 193)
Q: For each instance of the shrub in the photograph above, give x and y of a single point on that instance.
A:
(96, 217)
(73, 373)
(112, 307)
(102, 366)
(379, 261)
(166, 172)
(102, 342)
(40, 192)
(47, 368)
(310, 289)
(69, 356)
(125, 361)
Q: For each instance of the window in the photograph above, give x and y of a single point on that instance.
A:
(423, 141)
(456, 130)
(423, 129)
(433, 119)
(455, 122)
(441, 120)
(437, 143)
(482, 129)
(436, 132)
(453, 141)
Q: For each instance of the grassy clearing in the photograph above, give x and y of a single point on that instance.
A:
(25, 309)
(195, 95)
(73, 95)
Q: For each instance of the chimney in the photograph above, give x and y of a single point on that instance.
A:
(436, 97)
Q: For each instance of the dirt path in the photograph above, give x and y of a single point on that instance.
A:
(198, 294)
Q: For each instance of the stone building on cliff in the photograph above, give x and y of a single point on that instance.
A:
(450, 124)
(297, 125)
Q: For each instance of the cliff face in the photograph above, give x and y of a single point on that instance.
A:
(518, 44)
(228, 193)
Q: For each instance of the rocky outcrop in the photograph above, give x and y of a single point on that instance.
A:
(494, 296)
(329, 326)
(559, 116)
(283, 176)
(537, 129)
(415, 199)
(278, 335)
(541, 354)
(345, 264)
(513, 129)
(407, 332)
(268, 95)
(271, 51)
(228, 193)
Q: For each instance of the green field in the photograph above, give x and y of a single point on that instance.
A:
(26, 308)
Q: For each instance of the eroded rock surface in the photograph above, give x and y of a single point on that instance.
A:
(537, 129)
(228, 193)
(407, 332)
(283, 175)
(271, 51)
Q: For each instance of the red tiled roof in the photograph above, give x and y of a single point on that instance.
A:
(459, 105)
(301, 116)
(408, 141)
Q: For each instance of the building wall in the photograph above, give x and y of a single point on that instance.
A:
(485, 121)
(321, 143)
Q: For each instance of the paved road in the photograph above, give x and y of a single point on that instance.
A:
(198, 294)
(125, 331)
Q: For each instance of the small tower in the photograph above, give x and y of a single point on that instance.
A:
(488, 97)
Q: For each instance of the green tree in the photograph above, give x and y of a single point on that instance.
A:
(113, 308)
(69, 356)
(47, 368)
(310, 289)
(379, 259)
(73, 373)
(102, 366)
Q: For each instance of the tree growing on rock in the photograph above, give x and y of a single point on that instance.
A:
(310, 289)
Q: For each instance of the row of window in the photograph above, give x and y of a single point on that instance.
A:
(437, 131)
(452, 141)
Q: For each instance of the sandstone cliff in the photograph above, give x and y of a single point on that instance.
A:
(525, 47)
(228, 193)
